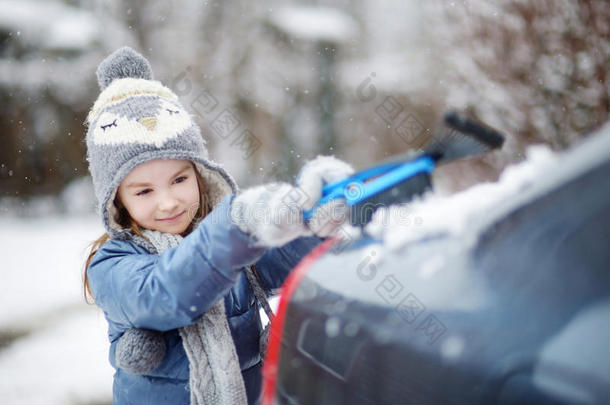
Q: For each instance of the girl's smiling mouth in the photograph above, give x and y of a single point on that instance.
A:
(172, 218)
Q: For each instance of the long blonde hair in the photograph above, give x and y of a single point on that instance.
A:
(125, 221)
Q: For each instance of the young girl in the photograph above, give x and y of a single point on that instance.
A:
(174, 273)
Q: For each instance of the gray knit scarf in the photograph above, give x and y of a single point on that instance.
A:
(214, 373)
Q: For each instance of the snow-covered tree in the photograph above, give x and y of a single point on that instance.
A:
(539, 69)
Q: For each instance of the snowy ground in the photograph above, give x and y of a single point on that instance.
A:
(53, 346)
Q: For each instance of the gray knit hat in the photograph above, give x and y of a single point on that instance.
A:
(136, 119)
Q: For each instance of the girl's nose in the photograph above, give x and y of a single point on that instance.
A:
(168, 203)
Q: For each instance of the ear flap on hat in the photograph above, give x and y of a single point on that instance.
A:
(123, 63)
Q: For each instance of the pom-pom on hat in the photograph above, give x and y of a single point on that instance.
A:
(136, 119)
(122, 64)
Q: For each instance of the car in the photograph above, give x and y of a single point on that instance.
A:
(513, 310)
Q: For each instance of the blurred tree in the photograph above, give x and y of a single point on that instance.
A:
(536, 68)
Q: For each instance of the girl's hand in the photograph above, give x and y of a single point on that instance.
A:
(313, 176)
(270, 214)
(273, 213)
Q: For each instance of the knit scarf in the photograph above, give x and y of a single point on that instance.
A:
(214, 373)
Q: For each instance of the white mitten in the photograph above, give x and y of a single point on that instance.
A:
(311, 179)
(273, 213)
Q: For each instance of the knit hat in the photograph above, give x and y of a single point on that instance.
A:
(136, 119)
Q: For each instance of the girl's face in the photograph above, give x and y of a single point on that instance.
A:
(161, 195)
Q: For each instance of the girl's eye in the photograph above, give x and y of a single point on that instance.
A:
(148, 190)
(172, 112)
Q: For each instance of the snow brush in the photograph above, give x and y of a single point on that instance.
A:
(401, 177)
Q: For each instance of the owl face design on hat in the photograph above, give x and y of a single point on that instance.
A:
(142, 119)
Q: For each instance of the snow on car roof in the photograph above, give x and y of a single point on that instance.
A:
(435, 214)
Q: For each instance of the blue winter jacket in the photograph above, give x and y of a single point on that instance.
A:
(136, 289)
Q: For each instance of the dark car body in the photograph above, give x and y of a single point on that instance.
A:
(514, 311)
